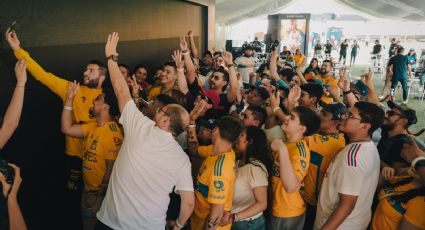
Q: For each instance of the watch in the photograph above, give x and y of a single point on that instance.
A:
(113, 57)
(230, 65)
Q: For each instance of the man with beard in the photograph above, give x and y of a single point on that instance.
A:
(394, 136)
(330, 83)
(221, 79)
(245, 64)
(102, 141)
(94, 76)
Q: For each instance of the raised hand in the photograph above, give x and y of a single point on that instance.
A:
(12, 39)
(278, 144)
(21, 72)
(177, 57)
(183, 43)
(190, 33)
(199, 108)
(343, 82)
(228, 57)
(111, 44)
(72, 91)
(135, 87)
(273, 55)
(7, 190)
(368, 77)
(294, 94)
(274, 100)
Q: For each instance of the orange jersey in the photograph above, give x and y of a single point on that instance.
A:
(290, 204)
(323, 149)
(214, 185)
(389, 213)
(328, 82)
(81, 105)
(100, 144)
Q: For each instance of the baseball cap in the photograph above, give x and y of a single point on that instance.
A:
(360, 87)
(407, 112)
(338, 110)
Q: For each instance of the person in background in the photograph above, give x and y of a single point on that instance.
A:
(250, 192)
(343, 51)
(400, 68)
(354, 49)
(377, 48)
(125, 71)
(318, 49)
(328, 49)
(411, 56)
(245, 64)
(299, 58)
(312, 70)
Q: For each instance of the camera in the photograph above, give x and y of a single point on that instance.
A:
(274, 45)
(7, 171)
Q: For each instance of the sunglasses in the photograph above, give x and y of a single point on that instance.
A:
(391, 113)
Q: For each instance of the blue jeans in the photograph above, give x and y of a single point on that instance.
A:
(256, 224)
(403, 82)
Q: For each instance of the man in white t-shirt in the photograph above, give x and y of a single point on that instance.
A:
(149, 165)
(350, 182)
(245, 64)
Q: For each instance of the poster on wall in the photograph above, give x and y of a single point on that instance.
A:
(293, 31)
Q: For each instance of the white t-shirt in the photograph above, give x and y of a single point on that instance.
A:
(355, 171)
(149, 164)
(248, 177)
(245, 66)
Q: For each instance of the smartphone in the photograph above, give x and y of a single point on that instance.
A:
(12, 25)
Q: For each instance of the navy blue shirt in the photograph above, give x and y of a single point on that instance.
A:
(399, 63)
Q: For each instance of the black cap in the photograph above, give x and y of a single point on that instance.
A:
(313, 89)
(338, 110)
(407, 112)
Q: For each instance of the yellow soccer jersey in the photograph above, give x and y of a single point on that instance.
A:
(323, 149)
(214, 185)
(154, 92)
(328, 82)
(100, 144)
(290, 204)
(82, 103)
(389, 213)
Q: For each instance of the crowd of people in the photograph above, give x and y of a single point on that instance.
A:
(210, 143)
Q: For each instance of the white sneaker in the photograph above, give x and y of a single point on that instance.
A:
(381, 97)
(421, 89)
(405, 102)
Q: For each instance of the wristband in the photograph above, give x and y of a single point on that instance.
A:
(178, 224)
(347, 92)
(185, 53)
(416, 160)
(276, 109)
(192, 126)
(230, 65)
(69, 108)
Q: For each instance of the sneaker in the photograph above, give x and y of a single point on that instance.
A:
(405, 102)
(381, 97)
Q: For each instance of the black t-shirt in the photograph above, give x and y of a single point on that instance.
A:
(377, 49)
(328, 48)
(318, 47)
(390, 148)
(343, 48)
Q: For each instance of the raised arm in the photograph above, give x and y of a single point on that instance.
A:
(57, 85)
(192, 139)
(301, 75)
(193, 49)
(13, 113)
(371, 93)
(181, 79)
(118, 82)
(273, 65)
(67, 126)
(233, 80)
(190, 68)
(344, 85)
(287, 174)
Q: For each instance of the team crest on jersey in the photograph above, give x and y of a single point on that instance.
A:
(303, 164)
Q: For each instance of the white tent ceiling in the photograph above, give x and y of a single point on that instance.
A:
(233, 11)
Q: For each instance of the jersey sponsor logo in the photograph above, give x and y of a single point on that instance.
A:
(352, 155)
(218, 184)
(216, 197)
(90, 156)
(275, 170)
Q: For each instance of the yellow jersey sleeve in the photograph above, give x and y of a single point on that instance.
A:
(300, 158)
(221, 184)
(415, 212)
(58, 85)
(87, 128)
(153, 93)
(205, 151)
(113, 141)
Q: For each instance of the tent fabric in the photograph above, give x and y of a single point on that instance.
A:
(233, 11)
